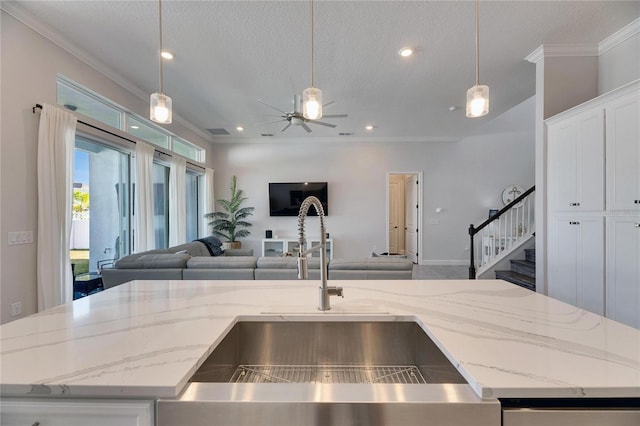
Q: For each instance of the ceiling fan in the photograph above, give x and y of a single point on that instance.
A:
(297, 119)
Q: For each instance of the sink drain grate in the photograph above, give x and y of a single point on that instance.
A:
(327, 374)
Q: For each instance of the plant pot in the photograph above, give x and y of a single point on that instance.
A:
(232, 245)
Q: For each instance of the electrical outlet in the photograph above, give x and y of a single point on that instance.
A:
(16, 309)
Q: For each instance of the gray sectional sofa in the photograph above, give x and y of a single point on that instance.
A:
(193, 261)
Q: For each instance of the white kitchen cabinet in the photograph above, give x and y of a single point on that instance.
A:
(623, 269)
(75, 412)
(576, 162)
(576, 266)
(623, 153)
(275, 247)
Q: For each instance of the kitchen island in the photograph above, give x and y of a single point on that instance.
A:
(145, 339)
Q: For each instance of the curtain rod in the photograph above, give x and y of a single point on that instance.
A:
(38, 106)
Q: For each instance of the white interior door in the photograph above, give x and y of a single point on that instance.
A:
(394, 215)
(411, 217)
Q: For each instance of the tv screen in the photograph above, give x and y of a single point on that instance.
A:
(285, 198)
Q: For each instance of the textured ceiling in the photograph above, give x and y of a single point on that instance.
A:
(231, 53)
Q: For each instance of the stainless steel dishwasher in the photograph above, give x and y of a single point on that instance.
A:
(571, 412)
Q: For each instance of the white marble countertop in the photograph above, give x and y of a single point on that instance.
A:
(145, 339)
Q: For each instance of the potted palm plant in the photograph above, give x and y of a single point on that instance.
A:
(229, 223)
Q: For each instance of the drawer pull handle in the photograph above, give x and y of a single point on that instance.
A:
(637, 225)
(574, 223)
(574, 204)
(636, 201)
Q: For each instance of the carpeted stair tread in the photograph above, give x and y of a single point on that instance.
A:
(518, 279)
(524, 267)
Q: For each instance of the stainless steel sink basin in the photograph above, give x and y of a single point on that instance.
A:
(327, 352)
(332, 373)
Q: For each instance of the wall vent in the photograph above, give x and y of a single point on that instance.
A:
(218, 132)
(266, 134)
(345, 133)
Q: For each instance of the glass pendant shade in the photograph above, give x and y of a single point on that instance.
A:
(312, 103)
(478, 101)
(160, 108)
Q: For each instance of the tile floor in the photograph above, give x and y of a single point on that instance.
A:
(440, 272)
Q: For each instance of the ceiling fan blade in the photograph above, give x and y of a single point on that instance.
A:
(271, 122)
(322, 123)
(328, 104)
(336, 116)
(272, 107)
(286, 127)
(304, 126)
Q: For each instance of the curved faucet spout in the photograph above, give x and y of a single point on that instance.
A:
(325, 291)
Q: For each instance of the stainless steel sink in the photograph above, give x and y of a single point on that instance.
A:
(339, 372)
(327, 352)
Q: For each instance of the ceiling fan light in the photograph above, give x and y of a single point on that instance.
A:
(312, 103)
(477, 101)
(160, 108)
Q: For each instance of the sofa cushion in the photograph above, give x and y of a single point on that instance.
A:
(222, 262)
(153, 261)
(372, 264)
(218, 274)
(285, 263)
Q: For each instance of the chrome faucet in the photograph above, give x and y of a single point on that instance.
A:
(325, 291)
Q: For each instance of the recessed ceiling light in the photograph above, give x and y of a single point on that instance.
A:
(135, 127)
(166, 54)
(405, 51)
(239, 128)
(369, 127)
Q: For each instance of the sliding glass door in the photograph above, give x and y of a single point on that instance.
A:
(101, 226)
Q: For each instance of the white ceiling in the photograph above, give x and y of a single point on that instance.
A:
(231, 53)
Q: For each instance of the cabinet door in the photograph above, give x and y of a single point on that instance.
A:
(576, 163)
(52, 412)
(576, 261)
(623, 269)
(623, 153)
(272, 248)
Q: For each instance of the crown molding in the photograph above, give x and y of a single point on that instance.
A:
(562, 50)
(92, 61)
(619, 36)
(338, 139)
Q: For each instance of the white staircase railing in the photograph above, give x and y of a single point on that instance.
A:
(501, 233)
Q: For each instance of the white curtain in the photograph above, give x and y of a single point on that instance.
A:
(145, 235)
(209, 201)
(56, 144)
(177, 201)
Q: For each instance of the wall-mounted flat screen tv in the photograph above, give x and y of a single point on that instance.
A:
(285, 198)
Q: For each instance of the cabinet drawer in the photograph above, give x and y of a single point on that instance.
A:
(56, 412)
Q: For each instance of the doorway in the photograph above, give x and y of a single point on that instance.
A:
(404, 214)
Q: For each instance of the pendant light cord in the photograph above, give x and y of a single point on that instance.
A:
(311, 43)
(160, 37)
(477, 48)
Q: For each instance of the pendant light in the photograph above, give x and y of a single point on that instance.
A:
(478, 95)
(160, 108)
(312, 96)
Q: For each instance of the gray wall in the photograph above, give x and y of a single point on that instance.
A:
(464, 178)
(30, 64)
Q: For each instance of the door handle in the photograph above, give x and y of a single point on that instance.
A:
(637, 225)
(574, 223)
(574, 204)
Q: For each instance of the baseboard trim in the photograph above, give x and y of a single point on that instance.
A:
(445, 262)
